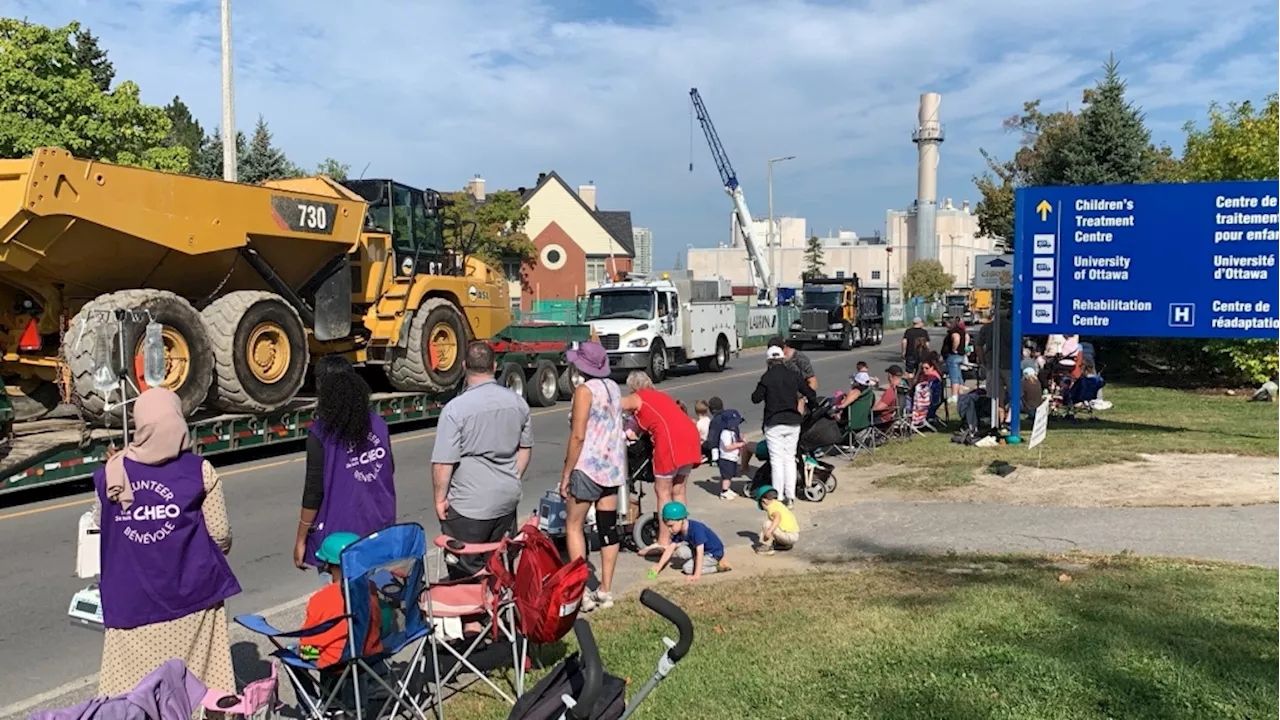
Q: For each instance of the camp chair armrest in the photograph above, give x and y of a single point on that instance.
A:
(259, 624)
(457, 547)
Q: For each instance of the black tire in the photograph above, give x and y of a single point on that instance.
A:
(234, 321)
(543, 386)
(512, 377)
(410, 368)
(657, 362)
(846, 339)
(645, 532)
(180, 321)
(567, 382)
(720, 360)
(814, 492)
(831, 483)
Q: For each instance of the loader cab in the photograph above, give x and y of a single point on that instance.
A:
(413, 219)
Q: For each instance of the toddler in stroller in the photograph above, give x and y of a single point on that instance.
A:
(818, 431)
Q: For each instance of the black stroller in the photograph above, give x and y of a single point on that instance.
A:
(815, 478)
(639, 530)
(579, 688)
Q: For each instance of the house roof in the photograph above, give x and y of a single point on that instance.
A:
(615, 222)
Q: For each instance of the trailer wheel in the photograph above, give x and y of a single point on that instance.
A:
(568, 382)
(658, 362)
(432, 362)
(512, 378)
(259, 351)
(188, 356)
(543, 385)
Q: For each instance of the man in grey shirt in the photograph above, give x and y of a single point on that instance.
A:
(483, 445)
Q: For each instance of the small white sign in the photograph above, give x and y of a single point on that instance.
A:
(1041, 426)
(1044, 243)
(1041, 313)
(1042, 267)
(994, 272)
(1042, 291)
(1182, 315)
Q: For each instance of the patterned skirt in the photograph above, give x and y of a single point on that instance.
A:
(199, 639)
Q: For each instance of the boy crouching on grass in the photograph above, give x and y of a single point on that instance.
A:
(695, 544)
(780, 529)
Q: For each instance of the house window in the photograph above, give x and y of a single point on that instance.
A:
(875, 274)
(511, 269)
(596, 274)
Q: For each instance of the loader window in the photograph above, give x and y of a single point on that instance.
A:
(402, 234)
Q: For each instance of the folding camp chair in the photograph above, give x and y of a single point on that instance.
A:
(467, 611)
(382, 576)
(861, 434)
(917, 412)
(937, 399)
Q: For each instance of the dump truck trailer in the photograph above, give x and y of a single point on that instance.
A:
(243, 283)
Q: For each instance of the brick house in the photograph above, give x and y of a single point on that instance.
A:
(579, 245)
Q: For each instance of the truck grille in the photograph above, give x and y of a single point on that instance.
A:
(814, 320)
(610, 342)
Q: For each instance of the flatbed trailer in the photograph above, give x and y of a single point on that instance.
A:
(49, 452)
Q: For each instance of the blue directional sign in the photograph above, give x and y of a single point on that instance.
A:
(1193, 260)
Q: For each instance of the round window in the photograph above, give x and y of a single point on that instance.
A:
(553, 257)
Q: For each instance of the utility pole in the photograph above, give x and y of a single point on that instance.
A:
(228, 100)
(773, 265)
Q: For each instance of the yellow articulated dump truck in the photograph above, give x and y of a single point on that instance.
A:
(247, 282)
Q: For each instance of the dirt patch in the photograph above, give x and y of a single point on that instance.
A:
(1157, 480)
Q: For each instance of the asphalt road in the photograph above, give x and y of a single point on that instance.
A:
(40, 651)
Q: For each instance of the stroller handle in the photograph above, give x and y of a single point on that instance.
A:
(592, 671)
(675, 616)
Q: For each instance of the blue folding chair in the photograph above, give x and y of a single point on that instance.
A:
(384, 573)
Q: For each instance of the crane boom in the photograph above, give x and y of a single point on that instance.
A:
(760, 271)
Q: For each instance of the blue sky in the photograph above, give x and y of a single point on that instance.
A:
(435, 91)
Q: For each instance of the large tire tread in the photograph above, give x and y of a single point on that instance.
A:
(222, 319)
(408, 370)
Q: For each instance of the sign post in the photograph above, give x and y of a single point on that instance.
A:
(1186, 260)
(995, 272)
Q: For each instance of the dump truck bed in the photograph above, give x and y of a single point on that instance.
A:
(93, 227)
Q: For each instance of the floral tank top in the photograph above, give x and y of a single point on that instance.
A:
(604, 452)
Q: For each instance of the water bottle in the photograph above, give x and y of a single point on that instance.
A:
(105, 379)
(153, 355)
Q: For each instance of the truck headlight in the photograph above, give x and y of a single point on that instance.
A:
(835, 326)
(797, 325)
(639, 343)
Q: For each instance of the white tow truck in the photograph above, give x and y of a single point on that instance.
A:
(654, 324)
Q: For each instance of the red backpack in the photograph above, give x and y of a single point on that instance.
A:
(548, 592)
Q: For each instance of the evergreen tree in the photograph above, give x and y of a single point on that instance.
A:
(185, 131)
(264, 161)
(813, 260)
(1112, 144)
(209, 162)
(88, 55)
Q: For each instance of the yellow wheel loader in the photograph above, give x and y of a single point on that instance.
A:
(246, 281)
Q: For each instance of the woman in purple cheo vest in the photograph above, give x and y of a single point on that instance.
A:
(164, 537)
(349, 483)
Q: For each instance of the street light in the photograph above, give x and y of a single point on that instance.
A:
(773, 266)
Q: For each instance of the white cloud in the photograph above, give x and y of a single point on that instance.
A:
(434, 92)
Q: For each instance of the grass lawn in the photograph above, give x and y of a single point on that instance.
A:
(1143, 420)
(954, 637)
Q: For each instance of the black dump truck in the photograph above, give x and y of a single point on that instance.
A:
(838, 312)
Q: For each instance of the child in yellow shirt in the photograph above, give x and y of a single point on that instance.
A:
(780, 529)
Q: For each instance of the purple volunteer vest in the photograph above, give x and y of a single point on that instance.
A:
(359, 491)
(159, 562)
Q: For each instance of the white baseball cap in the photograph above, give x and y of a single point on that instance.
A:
(774, 353)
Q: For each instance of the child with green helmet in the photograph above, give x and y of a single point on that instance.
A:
(780, 529)
(697, 546)
(325, 648)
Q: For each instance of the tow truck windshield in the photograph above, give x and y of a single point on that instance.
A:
(616, 304)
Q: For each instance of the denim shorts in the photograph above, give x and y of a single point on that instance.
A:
(954, 373)
(728, 469)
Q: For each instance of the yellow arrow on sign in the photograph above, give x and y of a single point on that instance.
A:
(1044, 208)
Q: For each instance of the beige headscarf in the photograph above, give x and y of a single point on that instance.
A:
(160, 435)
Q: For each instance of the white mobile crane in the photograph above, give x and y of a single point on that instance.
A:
(761, 274)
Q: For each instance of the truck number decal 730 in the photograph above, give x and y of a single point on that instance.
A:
(304, 216)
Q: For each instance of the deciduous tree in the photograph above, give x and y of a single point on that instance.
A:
(498, 227)
(927, 279)
(334, 169)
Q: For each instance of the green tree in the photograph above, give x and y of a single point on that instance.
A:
(47, 98)
(1239, 143)
(334, 169)
(209, 162)
(498, 227)
(927, 279)
(813, 260)
(184, 131)
(1112, 143)
(264, 161)
(90, 56)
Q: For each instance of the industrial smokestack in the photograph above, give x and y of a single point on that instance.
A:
(928, 136)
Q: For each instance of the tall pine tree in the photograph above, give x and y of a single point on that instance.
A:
(1112, 144)
(264, 161)
(88, 55)
(185, 131)
(209, 162)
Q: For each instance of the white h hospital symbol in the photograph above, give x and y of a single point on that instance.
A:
(1182, 315)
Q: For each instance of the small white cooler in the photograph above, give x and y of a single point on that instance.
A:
(86, 605)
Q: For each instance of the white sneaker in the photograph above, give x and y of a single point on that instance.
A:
(604, 600)
(727, 495)
(589, 601)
